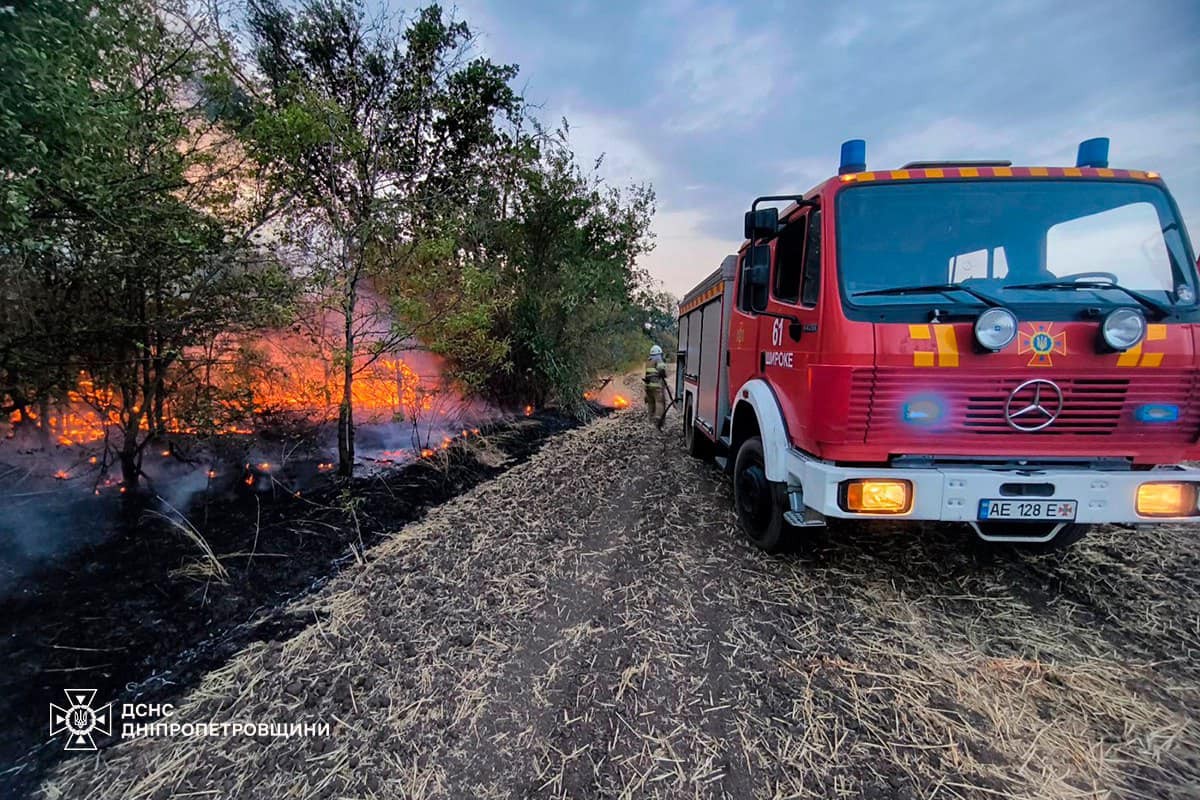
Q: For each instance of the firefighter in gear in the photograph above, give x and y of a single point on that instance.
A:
(655, 380)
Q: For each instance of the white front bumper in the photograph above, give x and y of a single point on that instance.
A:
(952, 494)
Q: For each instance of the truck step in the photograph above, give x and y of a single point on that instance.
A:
(799, 519)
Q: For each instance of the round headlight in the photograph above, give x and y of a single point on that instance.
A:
(996, 328)
(1123, 328)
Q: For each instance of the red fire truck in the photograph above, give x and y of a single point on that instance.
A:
(1014, 348)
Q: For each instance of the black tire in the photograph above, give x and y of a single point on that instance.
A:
(696, 443)
(760, 502)
(1067, 536)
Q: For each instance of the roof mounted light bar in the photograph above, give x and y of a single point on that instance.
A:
(1092, 153)
(940, 164)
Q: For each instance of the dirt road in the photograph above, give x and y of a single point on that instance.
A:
(590, 624)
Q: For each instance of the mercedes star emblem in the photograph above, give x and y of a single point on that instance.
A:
(1033, 405)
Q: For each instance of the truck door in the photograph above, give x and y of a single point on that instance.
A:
(787, 350)
(743, 329)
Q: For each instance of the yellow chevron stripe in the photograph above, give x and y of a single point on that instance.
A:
(1151, 359)
(1130, 357)
(947, 345)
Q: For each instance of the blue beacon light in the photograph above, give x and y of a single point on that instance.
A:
(922, 411)
(854, 156)
(1093, 153)
(1157, 412)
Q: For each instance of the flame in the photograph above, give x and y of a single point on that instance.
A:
(587, 395)
(620, 401)
(269, 377)
(388, 389)
(62, 474)
(529, 411)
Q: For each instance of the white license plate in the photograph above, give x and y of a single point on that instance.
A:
(1027, 510)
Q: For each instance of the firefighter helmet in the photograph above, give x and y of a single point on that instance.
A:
(656, 351)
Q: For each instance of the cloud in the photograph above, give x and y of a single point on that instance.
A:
(716, 102)
(718, 72)
(847, 32)
(626, 159)
(943, 139)
(684, 252)
(803, 173)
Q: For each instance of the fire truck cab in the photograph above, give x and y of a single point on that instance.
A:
(1013, 348)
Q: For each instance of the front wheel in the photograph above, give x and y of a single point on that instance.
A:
(760, 502)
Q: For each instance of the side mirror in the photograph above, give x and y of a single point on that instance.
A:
(762, 222)
(759, 276)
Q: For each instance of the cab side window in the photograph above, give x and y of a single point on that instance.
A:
(789, 261)
(744, 283)
(810, 289)
(744, 291)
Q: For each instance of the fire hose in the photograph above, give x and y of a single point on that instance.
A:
(668, 407)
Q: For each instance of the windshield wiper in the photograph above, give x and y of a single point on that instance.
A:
(940, 288)
(1144, 301)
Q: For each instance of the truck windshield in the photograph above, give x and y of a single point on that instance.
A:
(1034, 242)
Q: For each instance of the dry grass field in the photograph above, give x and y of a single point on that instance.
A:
(590, 624)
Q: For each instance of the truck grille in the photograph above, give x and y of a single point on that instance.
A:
(973, 404)
(1089, 407)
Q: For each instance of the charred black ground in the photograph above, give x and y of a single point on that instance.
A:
(592, 624)
(139, 613)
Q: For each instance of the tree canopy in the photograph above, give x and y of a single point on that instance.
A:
(176, 183)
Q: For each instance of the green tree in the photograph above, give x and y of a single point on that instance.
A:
(659, 311)
(378, 130)
(126, 240)
(571, 250)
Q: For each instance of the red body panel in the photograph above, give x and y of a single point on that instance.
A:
(843, 386)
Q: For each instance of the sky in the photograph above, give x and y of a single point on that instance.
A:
(714, 103)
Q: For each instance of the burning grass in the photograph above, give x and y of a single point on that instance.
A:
(285, 378)
(590, 624)
(170, 595)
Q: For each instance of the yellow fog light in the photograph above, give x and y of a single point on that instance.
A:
(875, 496)
(1166, 499)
